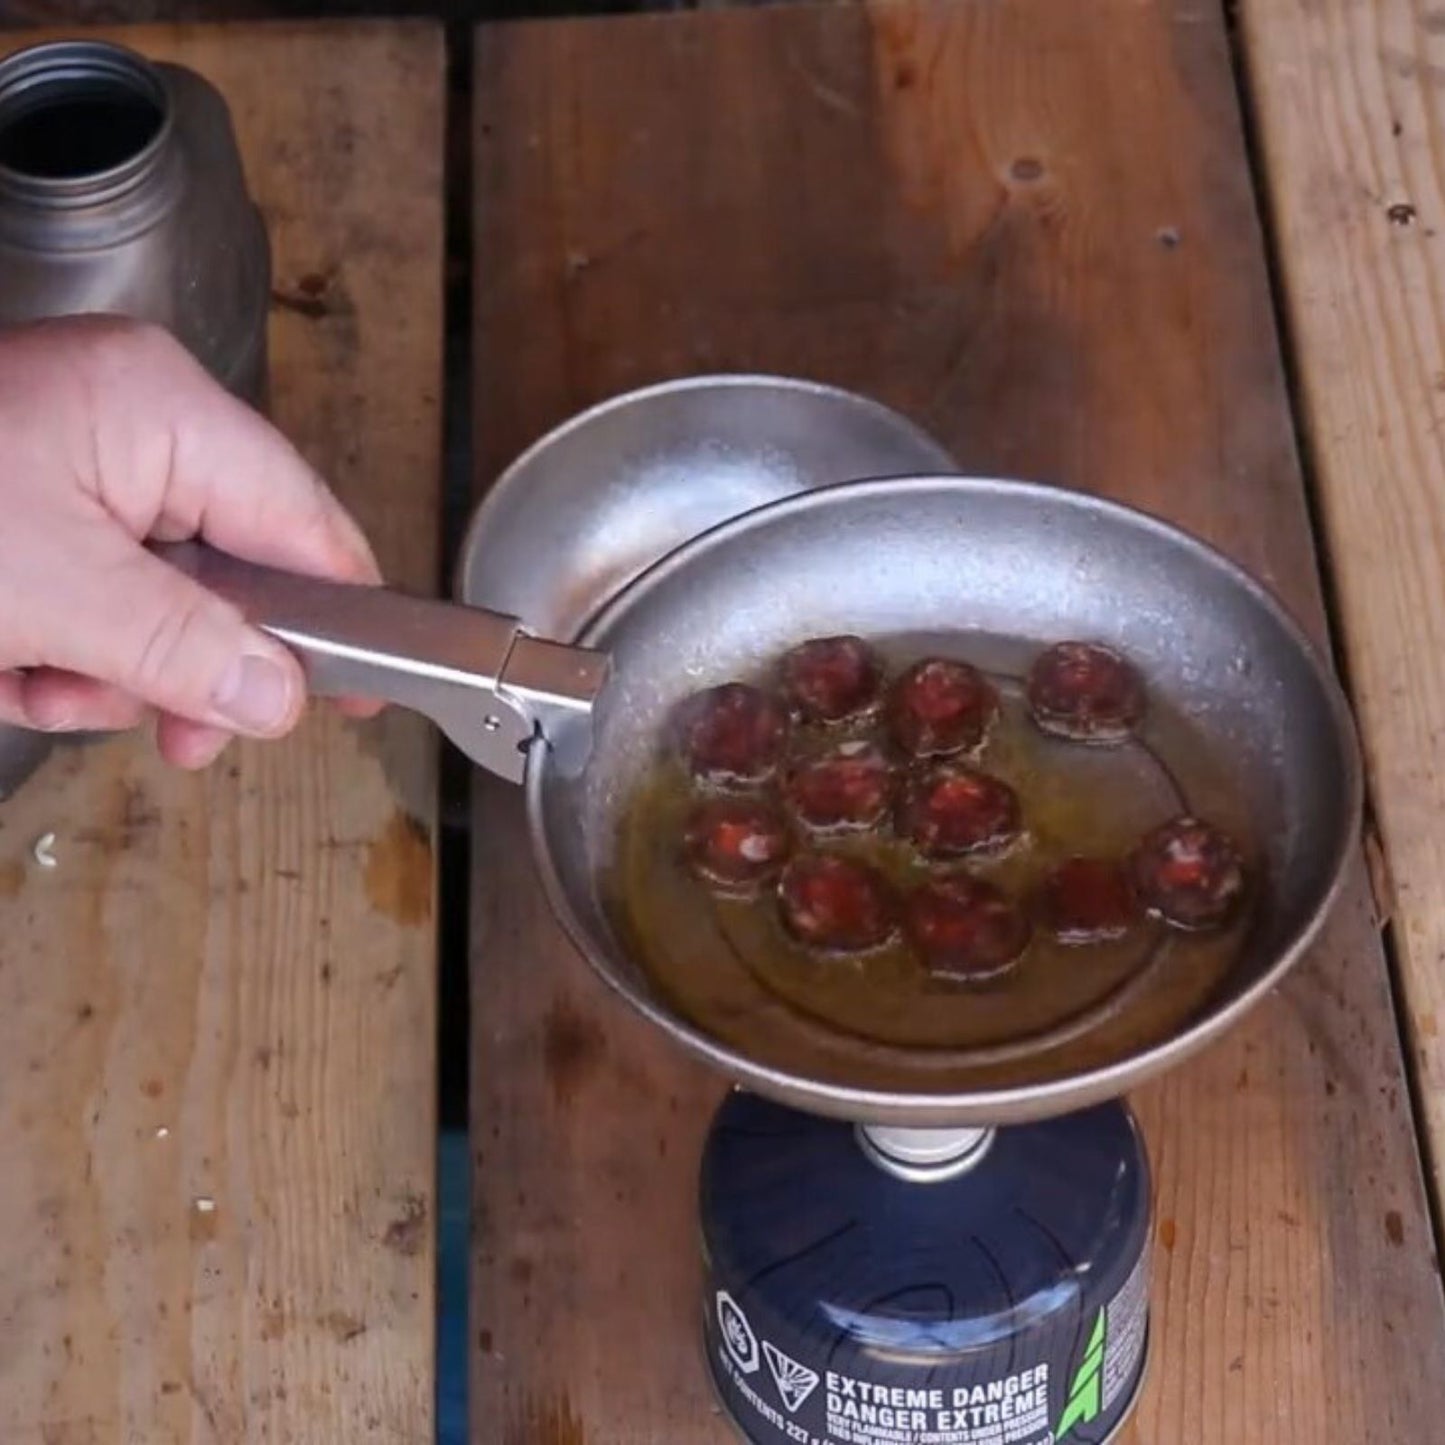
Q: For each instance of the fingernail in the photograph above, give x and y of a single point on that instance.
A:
(255, 695)
(47, 718)
(205, 750)
(45, 712)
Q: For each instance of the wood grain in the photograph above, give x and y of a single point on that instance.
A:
(1031, 227)
(217, 1012)
(1351, 111)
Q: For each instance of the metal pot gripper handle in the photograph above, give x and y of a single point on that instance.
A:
(490, 686)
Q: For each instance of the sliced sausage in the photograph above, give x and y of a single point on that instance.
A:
(846, 789)
(1088, 900)
(1085, 692)
(1189, 873)
(964, 928)
(736, 844)
(733, 735)
(831, 679)
(841, 905)
(940, 707)
(952, 809)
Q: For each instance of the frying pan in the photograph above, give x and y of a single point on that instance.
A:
(991, 570)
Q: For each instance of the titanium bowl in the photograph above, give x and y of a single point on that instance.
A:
(882, 558)
(605, 495)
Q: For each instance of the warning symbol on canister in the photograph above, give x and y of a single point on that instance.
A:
(795, 1382)
(742, 1343)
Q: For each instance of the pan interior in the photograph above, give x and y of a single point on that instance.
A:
(1244, 727)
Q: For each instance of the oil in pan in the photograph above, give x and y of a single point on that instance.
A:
(916, 1287)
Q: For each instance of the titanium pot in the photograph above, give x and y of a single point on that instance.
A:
(122, 192)
(579, 724)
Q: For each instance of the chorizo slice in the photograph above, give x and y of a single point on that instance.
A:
(953, 810)
(964, 928)
(837, 904)
(1188, 873)
(1088, 900)
(940, 707)
(736, 845)
(831, 679)
(733, 735)
(1085, 692)
(847, 789)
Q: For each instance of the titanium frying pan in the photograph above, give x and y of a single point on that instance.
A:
(989, 570)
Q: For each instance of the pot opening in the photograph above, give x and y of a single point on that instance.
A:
(77, 112)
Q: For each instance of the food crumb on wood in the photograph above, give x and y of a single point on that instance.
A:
(43, 851)
(407, 1233)
(1377, 868)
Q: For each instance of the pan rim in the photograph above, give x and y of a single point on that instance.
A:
(1014, 1103)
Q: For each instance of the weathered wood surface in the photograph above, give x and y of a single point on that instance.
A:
(1031, 227)
(1350, 110)
(217, 1013)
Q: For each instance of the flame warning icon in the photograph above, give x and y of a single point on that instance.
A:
(737, 1333)
(795, 1382)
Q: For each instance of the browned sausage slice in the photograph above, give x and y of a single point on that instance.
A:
(849, 788)
(940, 707)
(953, 810)
(837, 904)
(733, 735)
(1189, 873)
(831, 679)
(736, 844)
(1085, 692)
(1088, 900)
(964, 928)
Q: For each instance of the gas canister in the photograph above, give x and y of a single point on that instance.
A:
(860, 1296)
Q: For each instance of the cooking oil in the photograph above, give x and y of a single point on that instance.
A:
(881, 1019)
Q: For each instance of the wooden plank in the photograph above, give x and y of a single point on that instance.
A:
(224, 994)
(1031, 227)
(1350, 112)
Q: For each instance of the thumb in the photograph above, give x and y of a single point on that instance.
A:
(142, 625)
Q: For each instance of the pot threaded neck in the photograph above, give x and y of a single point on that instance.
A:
(81, 121)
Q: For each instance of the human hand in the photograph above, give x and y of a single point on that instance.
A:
(112, 435)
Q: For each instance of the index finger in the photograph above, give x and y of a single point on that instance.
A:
(192, 460)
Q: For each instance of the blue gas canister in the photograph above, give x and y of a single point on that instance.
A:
(914, 1287)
